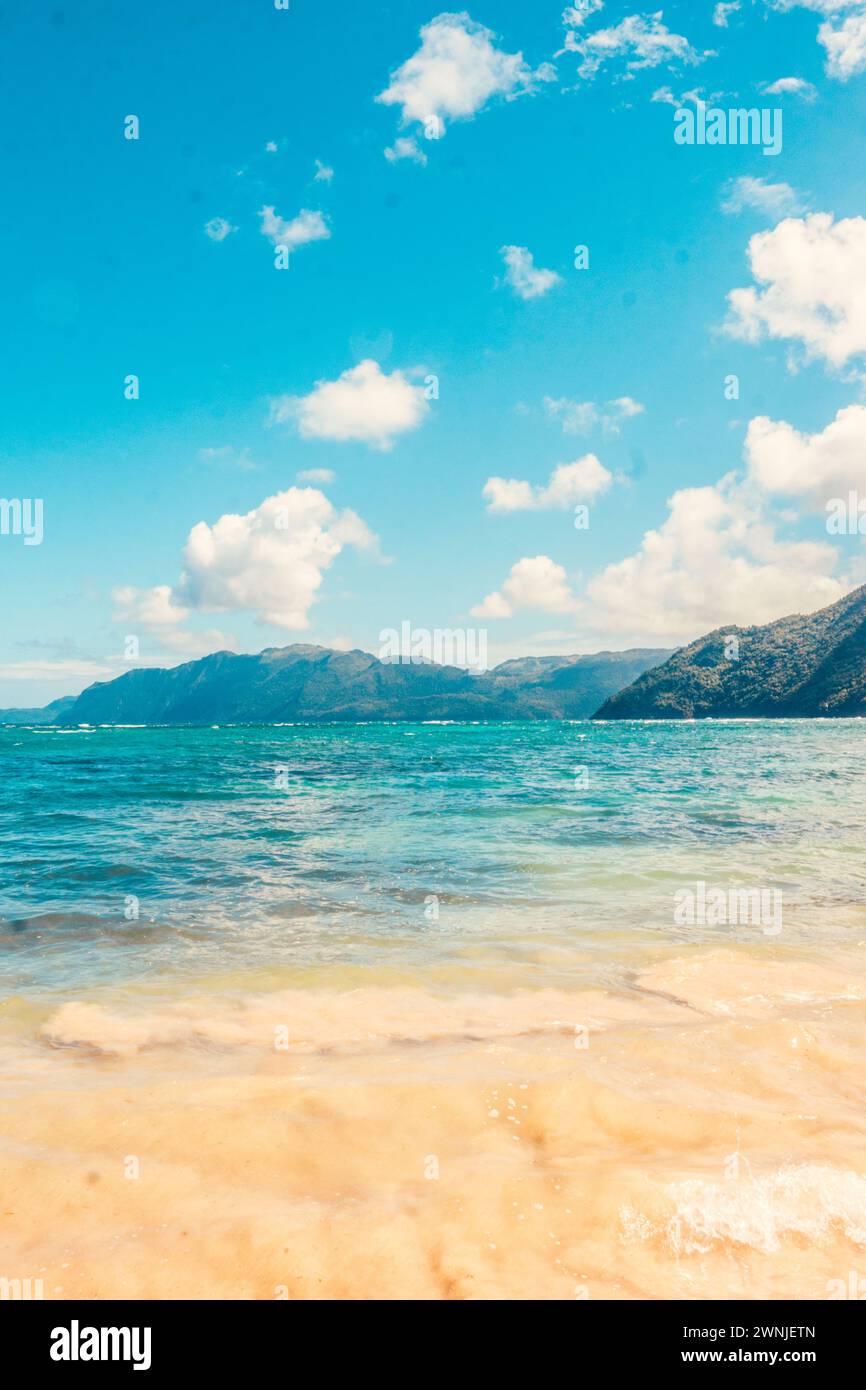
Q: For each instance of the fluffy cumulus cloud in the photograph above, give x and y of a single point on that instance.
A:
(842, 33)
(723, 12)
(722, 555)
(716, 559)
(364, 404)
(775, 200)
(455, 73)
(533, 583)
(306, 227)
(269, 562)
(639, 41)
(811, 275)
(582, 417)
(845, 44)
(570, 483)
(816, 467)
(527, 279)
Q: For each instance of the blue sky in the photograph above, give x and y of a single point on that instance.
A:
(184, 518)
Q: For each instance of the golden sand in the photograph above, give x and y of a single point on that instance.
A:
(698, 1134)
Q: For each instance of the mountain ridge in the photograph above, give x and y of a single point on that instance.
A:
(800, 666)
(304, 682)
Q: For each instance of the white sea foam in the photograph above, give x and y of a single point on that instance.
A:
(809, 1200)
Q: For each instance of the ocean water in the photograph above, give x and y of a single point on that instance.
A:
(434, 1011)
(543, 849)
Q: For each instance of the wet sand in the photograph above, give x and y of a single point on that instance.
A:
(695, 1132)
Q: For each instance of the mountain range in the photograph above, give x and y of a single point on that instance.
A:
(301, 682)
(808, 666)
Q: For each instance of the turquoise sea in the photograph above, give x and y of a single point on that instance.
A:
(537, 851)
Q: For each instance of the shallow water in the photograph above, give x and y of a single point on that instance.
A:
(411, 1011)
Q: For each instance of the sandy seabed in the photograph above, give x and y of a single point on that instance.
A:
(696, 1134)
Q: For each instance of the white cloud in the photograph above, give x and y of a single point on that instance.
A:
(68, 670)
(842, 34)
(157, 613)
(536, 583)
(581, 481)
(581, 417)
(722, 12)
(790, 86)
(272, 560)
(525, 278)
(627, 406)
(307, 226)
(364, 404)
(813, 277)
(577, 14)
(455, 72)
(576, 417)
(666, 95)
(818, 466)
(776, 200)
(826, 7)
(324, 172)
(845, 46)
(269, 562)
(153, 608)
(271, 147)
(218, 229)
(225, 453)
(715, 560)
(643, 41)
(405, 147)
(316, 475)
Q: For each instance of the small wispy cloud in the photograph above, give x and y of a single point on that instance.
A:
(790, 86)
(639, 41)
(306, 227)
(316, 475)
(227, 454)
(218, 228)
(666, 95)
(405, 147)
(582, 417)
(525, 278)
(776, 200)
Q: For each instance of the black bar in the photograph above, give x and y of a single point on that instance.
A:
(243, 1338)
